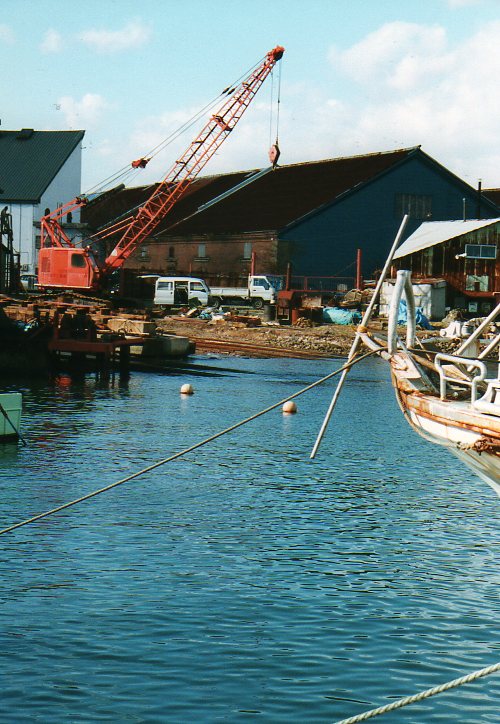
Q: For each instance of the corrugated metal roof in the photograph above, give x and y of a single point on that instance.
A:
(29, 160)
(431, 233)
(271, 201)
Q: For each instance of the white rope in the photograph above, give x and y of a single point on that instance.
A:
(422, 695)
(177, 455)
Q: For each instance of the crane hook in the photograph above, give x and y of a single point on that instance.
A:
(274, 154)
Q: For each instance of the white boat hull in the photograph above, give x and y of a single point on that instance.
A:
(462, 443)
(469, 434)
(10, 415)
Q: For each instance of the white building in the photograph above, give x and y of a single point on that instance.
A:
(39, 170)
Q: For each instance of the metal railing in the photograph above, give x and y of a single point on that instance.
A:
(446, 376)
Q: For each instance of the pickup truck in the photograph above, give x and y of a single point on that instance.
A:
(259, 291)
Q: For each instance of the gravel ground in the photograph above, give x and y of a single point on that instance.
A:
(329, 339)
(302, 339)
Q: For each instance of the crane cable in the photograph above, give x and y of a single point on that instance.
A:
(197, 445)
(278, 101)
(127, 171)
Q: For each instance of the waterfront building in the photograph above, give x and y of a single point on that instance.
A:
(39, 171)
(313, 216)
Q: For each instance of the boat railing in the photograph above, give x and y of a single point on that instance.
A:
(467, 345)
(403, 284)
(470, 347)
(449, 372)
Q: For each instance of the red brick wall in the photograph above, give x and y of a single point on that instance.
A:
(223, 261)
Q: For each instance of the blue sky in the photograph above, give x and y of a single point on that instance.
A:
(358, 76)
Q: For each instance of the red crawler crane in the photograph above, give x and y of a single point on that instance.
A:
(65, 266)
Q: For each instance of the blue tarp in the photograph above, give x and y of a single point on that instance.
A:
(420, 317)
(334, 315)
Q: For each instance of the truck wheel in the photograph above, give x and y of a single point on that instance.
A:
(258, 303)
(216, 302)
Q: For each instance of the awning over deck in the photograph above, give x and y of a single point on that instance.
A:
(431, 233)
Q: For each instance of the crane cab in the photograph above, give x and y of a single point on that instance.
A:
(66, 268)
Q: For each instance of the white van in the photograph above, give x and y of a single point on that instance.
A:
(181, 291)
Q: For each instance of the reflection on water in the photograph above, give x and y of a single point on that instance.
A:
(243, 579)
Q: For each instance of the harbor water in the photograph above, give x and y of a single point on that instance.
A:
(242, 581)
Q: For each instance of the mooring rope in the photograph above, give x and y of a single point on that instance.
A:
(422, 695)
(147, 469)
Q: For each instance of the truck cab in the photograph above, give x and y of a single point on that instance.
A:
(258, 292)
(181, 291)
(259, 287)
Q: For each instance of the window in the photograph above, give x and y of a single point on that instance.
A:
(197, 287)
(38, 242)
(171, 252)
(78, 260)
(261, 283)
(202, 251)
(247, 250)
(165, 285)
(417, 206)
(480, 251)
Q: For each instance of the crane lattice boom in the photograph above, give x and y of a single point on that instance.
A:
(133, 230)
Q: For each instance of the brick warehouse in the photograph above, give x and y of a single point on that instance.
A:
(313, 216)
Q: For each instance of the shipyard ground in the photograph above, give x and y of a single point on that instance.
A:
(265, 340)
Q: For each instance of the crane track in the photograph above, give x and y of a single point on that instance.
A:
(254, 350)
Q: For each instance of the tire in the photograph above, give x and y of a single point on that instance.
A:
(258, 303)
(216, 302)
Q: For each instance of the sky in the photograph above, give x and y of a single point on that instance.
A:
(357, 76)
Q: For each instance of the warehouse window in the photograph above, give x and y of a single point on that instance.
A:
(480, 251)
(417, 206)
(247, 250)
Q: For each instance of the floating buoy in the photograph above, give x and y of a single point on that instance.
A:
(289, 408)
(187, 389)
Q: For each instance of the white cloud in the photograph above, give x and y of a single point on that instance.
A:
(412, 87)
(462, 3)
(404, 85)
(398, 54)
(85, 112)
(52, 42)
(6, 34)
(132, 35)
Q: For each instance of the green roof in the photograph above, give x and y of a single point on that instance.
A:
(29, 161)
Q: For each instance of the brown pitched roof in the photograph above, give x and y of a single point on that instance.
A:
(269, 203)
(492, 195)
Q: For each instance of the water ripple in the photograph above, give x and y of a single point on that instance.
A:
(243, 580)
